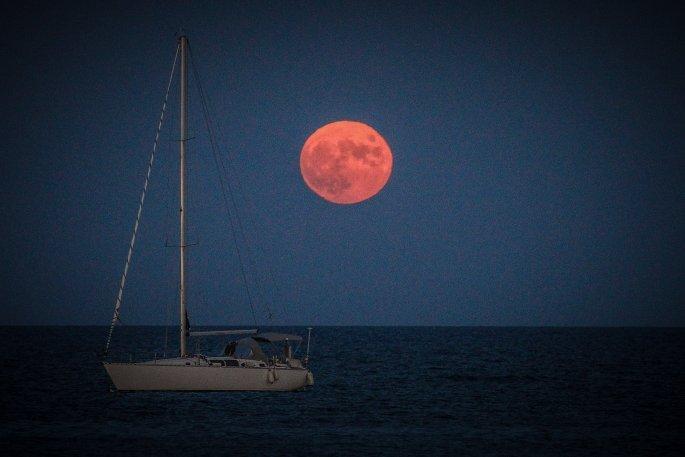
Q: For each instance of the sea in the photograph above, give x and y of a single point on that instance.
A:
(387, 391)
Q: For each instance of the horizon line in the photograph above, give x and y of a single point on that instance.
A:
(371, 325)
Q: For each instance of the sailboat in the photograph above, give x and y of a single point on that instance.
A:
(255, 361)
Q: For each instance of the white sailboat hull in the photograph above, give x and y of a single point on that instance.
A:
(150, 376)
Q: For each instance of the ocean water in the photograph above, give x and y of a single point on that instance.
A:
(378, 391)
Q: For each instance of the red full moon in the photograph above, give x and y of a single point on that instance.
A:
(346, 162)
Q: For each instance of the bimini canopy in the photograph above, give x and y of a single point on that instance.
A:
(248, 348)
(245, 348)
(271, 337)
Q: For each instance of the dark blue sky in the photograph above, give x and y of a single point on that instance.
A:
(538, 162)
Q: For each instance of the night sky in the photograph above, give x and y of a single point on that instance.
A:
(537, 179)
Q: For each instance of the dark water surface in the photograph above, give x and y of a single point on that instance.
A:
(378, 391)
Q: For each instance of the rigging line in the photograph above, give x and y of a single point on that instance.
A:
(167, 193)
(250, 255)
(122, 283)
(247, 202)
(252, 228)
(223, 185)
(169, 269)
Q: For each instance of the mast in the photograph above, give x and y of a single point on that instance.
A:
(182, 200)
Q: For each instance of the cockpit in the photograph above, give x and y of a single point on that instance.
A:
(261, 350)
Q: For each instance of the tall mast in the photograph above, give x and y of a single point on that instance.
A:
(182, 199)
